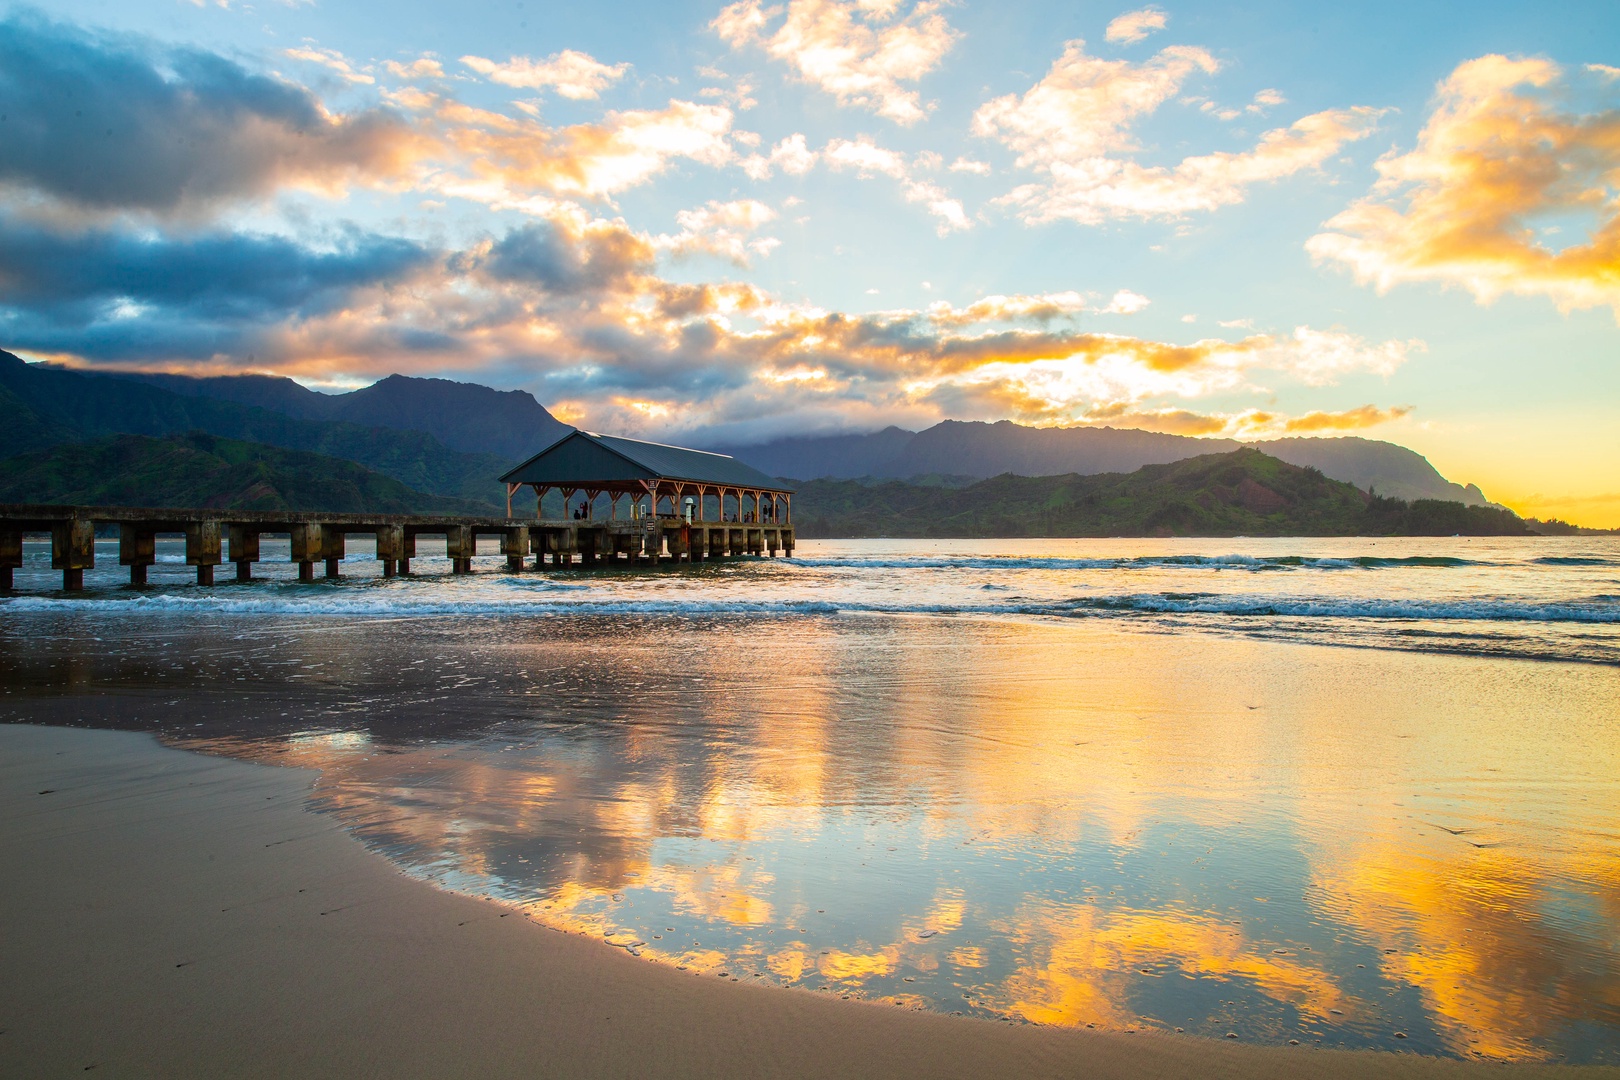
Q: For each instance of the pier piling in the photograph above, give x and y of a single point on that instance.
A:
(584, 544)
(73, 550)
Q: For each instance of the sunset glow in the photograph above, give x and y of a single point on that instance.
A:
(744, 221)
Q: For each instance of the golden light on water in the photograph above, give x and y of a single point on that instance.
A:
(1055, 824)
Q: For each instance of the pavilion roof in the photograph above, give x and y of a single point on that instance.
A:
(585, 459)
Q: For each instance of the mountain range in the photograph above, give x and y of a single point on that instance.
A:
(1243, 492)
(209, 471)
(453, 439)
(965, 451)
(463, 416)
(47, 406)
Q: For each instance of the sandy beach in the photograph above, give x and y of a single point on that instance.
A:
(173, 914)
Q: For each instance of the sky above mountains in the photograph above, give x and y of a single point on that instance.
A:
(1396, 220)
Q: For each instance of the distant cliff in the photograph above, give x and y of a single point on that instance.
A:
(975, 451)
(1244, 492)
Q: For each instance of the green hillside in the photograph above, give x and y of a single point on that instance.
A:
(45, 406)
(200, 470)
(1244, 492)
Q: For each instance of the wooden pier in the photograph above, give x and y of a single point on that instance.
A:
(215, 537)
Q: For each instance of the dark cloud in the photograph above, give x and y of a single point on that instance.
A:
(114, 294)
(103, 122)
(601, 257)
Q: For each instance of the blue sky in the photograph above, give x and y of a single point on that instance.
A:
(738, 221)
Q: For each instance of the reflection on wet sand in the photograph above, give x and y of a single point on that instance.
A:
(1060, 824)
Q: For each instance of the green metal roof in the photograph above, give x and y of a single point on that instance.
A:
(586, 459)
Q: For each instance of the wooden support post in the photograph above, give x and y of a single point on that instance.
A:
(203, 549)
(333, 549)
(515, 546)
(73, 551)
(244, 549)
(459, 548)
(10, 555)
(407, 552)
(390, 547)
(137, 549)
(306, 548)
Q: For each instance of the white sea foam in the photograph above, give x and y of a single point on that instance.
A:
(580, 600)
(1247, 562)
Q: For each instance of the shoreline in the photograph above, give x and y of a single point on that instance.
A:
(169, 913)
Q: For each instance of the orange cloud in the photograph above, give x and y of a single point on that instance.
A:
(1350, 420)
(510, 162)
(1506, 146)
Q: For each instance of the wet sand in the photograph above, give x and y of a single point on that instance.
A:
(172, 914)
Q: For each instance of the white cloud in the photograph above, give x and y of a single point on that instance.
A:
(570, 73)
(860, 51)
(739, 95)
(968, 165)
(868, 159)
(423, 67)
(1084, 106)
(1074, 128)
(1134, 26)
(791, 155)
(723, 229)
(1126, 302)
(330, 59)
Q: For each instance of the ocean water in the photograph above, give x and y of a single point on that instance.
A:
(1350, 792)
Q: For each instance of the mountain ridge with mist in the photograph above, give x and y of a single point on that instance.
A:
(48, 405)
(980, 450)
(452, 439)
(1243, 492)
(205, 471)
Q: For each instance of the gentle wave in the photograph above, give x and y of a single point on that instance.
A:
(363, 602)
(1596, 610)
(1575, 560)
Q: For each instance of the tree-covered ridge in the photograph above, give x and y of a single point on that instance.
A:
(207, 471)
(1245, 492)
(45, 406)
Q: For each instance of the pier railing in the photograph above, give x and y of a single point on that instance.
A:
(214, 537)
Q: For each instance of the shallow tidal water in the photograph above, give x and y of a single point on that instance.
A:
(1355, 793)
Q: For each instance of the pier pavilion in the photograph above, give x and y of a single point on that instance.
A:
(677, 503)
